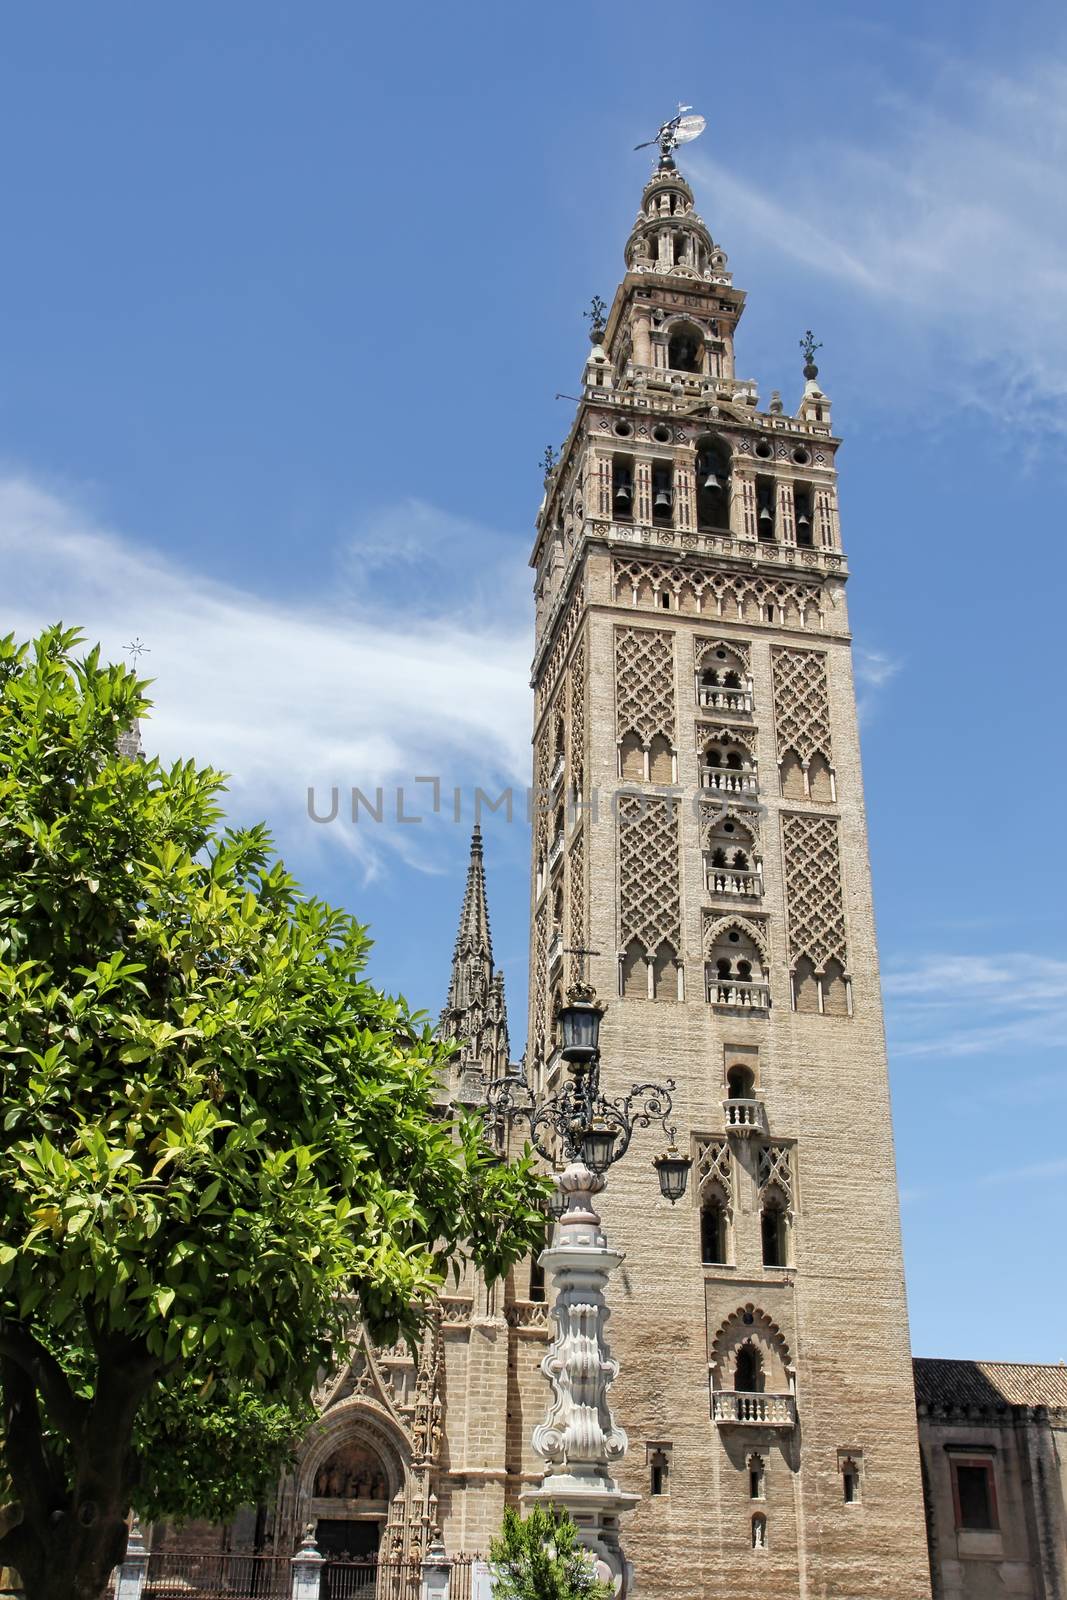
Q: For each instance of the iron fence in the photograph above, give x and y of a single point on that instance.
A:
(203, 1575)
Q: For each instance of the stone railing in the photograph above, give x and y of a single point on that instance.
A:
(715, 544)
(555, 949)
(733, 881)
(555, 777)
(744, 1116)
(735, 1408)
(555, 849)
(721, 699)
(527, 1314)
(729, 780)
(738, 995)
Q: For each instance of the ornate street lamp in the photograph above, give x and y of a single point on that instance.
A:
(579, 1439)
(579, 1117)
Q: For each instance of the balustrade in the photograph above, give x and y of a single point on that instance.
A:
(733, 881)
(744, 1116)
(555, 949)
(721, 699)
(739, 994)
(729, 780)
(737, 1408)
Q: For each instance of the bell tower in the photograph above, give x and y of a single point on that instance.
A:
(700, 827)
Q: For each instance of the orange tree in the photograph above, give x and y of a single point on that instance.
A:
(218, 1141)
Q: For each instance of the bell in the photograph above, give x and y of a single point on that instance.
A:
(803, 521)
(623, 494)
(661, 500)
(712, 483)
(765, 515)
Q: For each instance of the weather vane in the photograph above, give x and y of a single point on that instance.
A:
(548, 460)
(679, 130)
(137, 648)
(809, 344)
(596, 314)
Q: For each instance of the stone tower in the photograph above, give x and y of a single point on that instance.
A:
(702, 830)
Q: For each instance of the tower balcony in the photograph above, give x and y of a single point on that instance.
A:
(729, 780)
(555, 849)
(733, 883)
(720, 699)
(744, 1116)
(555, 950)
(555, 777)
(734, 1408)
(738, 994)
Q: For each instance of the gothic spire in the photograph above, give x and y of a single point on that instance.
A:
(475, 1012)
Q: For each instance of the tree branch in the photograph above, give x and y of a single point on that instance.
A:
(65, 1409)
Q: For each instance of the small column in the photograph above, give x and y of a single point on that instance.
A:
(130, 1581)
(786, 522)
(642, 491)
(580, 1438)
(743, 505)
(305, 1569)
(684, 494)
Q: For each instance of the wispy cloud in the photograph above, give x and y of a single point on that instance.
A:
(371, 685)
(965, 1005)
(955, 218)
(874, 670)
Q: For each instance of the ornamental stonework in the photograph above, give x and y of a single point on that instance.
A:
(814, 901)
(650, 906)
(644, 683)
(801, 703)
(709, 591)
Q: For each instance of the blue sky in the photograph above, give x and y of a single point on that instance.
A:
(287, 293)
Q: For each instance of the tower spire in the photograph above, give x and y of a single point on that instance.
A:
(475, 1012)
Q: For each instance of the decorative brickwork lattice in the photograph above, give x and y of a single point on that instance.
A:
(708, 591)
(714, 1166)
(775, 1169)
(542, 772)
(576, 923)
(644, 683)
(540, 981)
(801, 703)
(567, 629)
(649, 895)
(577, 709)
(814, 900)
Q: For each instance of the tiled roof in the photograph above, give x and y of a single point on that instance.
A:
(989, 1384)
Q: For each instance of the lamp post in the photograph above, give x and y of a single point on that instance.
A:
(579, 1439)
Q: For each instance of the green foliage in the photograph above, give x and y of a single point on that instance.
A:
(218, 1141)
(210, 1456)
(540, 1558)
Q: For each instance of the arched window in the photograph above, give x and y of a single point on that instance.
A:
(820, 784)
(622, 486)
(634, 976)
(713, 483)
(685, 350)
(662, 494)
(774, 1232)
(805, 986)
(792, 777)
(660, 760)
(632, 758)
(713, 1231)
(665, 973)
(834, 989)
(740, 1083)
(748, 1369)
